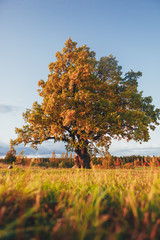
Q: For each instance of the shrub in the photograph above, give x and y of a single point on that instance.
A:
(96, 161)
(66, 163)
(128, 166)
(10, 156)
(108, 162)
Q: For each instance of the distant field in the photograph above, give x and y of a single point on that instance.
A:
(38, 203)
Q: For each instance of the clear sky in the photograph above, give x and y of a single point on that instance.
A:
(32, 31)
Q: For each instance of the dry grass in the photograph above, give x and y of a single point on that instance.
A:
(77, 204)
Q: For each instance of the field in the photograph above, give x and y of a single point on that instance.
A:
(38, 203)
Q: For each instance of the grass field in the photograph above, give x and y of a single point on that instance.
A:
(38, 203)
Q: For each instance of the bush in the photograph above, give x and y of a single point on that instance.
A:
(108, 162)
(96, 161)
(10, 156)
(128, 166)
(66, 163)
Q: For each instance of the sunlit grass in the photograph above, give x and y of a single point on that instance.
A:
(79, 204)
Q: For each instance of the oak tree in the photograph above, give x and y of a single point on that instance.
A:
(86, 103)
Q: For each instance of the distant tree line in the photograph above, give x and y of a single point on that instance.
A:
(69, 160)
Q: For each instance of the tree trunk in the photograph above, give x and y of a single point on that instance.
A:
(83, 158)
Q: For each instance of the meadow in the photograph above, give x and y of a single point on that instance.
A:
(38, 203)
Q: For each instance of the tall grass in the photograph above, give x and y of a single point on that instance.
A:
(79, 204)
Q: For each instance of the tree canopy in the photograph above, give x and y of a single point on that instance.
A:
(86, 103)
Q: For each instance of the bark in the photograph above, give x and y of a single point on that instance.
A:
(82, 159)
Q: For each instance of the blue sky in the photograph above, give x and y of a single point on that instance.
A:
(31, 32)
